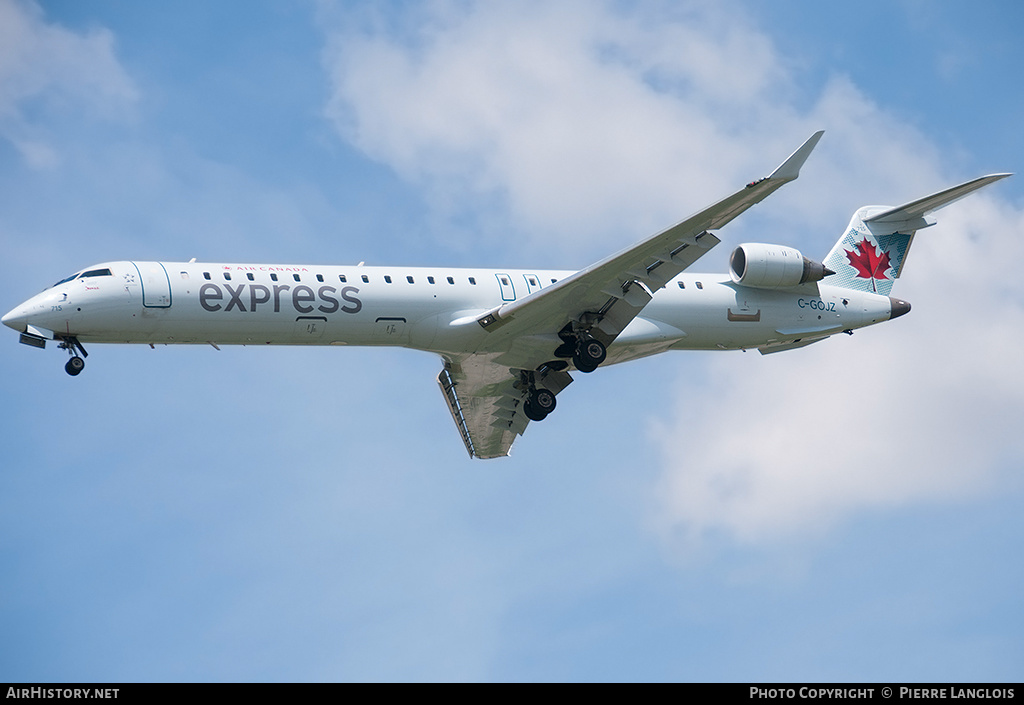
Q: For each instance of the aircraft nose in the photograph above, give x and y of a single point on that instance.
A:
(13, 319)
(16, 319)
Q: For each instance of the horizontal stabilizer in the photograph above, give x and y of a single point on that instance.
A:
(911, 216)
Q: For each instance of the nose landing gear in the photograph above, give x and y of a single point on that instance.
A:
(76, 364)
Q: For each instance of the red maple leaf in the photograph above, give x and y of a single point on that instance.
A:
(866, 259)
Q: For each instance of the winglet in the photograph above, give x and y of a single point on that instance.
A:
(790, 169)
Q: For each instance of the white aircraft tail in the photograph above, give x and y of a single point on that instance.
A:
(871, 254)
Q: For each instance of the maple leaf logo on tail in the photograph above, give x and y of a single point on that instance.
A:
(869, 263)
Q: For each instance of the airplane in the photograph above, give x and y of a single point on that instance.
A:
(509, 339)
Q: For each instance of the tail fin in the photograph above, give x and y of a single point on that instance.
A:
(871, 253)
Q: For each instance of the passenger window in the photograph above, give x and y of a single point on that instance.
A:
(430, 280)
(273, 277)
(250, 276)
(409, 279)
(206, 276)
(472, 281)
(504, 281)
(451, 280)
(227, 276)
(296, 277)
(681, 285)
(387, 278)
(366, 279)
(184, 275)
(699, 285)
(553, 281)
(342, 279)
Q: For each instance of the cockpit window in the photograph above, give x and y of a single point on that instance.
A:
(82, 275)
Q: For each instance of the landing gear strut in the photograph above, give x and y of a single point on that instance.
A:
(76, 364)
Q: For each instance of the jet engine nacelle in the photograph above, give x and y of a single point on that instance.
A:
(762, 266)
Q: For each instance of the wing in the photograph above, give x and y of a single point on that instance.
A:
(486, 401)
(486, 390)
(606, 296)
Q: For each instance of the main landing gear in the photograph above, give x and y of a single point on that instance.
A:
(539, 403)
(76, 364)
(589, 354)
(540, 387)
(586, 352)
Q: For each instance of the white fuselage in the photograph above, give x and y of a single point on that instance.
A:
(431, 309)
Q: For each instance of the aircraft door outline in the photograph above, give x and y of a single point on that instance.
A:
(156, 284)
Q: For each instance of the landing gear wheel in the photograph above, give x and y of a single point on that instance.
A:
(539, 404)
(532, 413)
(75, 366)
(544, 400)
(589, 355)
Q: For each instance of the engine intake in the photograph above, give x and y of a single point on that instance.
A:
(764, 266)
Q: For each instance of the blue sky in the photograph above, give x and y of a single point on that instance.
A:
(849, 511)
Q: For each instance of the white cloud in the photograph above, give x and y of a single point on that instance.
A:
(584, 122)
(44, 64)
(593, 124)
(924, 409)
